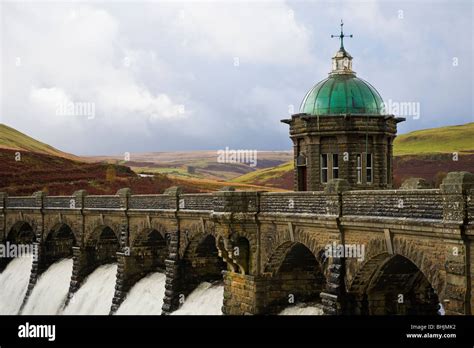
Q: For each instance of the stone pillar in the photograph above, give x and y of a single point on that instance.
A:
(333, 191)
(128, 272)
(313, 153)
(81, 262)
(78, 200)
(124, 195)
(3, 233)
(39, 195)
(39, 261)
(81, 267)
(173, 277)
(174, 193)
(333, 297)
(236, 202)
(243, 294)
(456, 189)
(37, 268)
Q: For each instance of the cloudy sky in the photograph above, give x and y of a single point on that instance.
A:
(197, 75)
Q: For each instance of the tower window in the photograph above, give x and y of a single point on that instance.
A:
(369, 168)
(324, 168)
(359, 169)
(335, 166)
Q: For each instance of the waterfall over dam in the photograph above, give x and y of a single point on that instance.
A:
(146, 297)
(13, 284)
(206, 299)
(94, 296)
(50, 292)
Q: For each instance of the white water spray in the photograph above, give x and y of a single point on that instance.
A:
(13, 284)
(145, 297)
(303, 309)
(50, 292)
(96, 293)
(206, 299)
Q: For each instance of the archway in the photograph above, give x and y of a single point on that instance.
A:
(295, 276)
(21, 233)
(395, 287)
(102, 246)
(22, 236)
(201, 262)
(58, 243)
(241, 254)
(149, 250)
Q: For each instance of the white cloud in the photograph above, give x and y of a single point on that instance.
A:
(49, 98)
(260, 32)
(75, 53)
(143, 64)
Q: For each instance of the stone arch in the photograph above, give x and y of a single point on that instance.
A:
(242, 254)
(376, 249)
(312, 241)
(201, 261)
(94, 230)
(139, 230)
(149, 248)
(52, 221)
(392, 284)
(238, 252)
(102, 245)
(431, 268)
(13, 220)
(146, 254)
(192, 234)
(238, 248)
(58, 243)
(21, 233)
(295, 274)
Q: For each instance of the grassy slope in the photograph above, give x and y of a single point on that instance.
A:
(204, 164)
(436, 140)
(12, 139)
(209, 185)
(265, 174)
(416, 149)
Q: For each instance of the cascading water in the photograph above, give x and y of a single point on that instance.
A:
(96, 293)
(13, 284)
(303, 309)
(206, 299)
(145, 297)
(50, 292)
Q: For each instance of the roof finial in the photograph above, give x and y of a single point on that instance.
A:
(341, 36)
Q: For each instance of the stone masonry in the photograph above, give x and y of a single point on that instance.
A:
(269, 249)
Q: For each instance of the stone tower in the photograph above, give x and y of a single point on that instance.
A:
(342, 132)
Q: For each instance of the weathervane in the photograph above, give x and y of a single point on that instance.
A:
(341, 36)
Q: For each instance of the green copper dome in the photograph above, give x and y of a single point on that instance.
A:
(342, 94)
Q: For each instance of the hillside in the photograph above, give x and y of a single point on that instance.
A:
(61, 176)
(436, 140)
(280, 176)
(425, 153)
(12, 139)
(195, 164)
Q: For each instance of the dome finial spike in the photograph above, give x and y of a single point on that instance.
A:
(341, 36)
